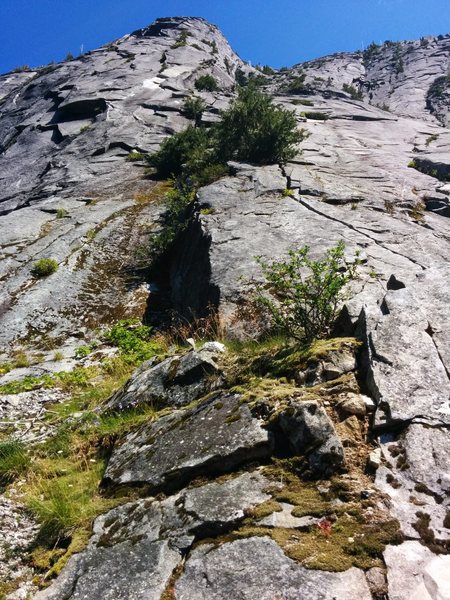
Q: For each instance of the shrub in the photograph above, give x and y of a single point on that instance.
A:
(253, 129)
(174, 220)
(193, 108)
(185, 148)
(44, 267)
(22, 69)
(432, 138)
(354, 93)
(181, 41)
(296, 85)
(135, 156)
(315, 116)
(61, 213)
(134, 341)
(302, 295)
(207, 83)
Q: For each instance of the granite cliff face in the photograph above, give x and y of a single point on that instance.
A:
(217, 503)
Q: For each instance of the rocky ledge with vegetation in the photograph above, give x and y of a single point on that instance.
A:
(223, 316)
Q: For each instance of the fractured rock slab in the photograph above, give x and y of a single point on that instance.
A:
(176, 381)
(217, 436)
(135, 547)
(229, 572)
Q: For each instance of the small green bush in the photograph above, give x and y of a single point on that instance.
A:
(134, 341)
(174, 220)
(61, 213)
(302, 295)
(181, 41)
(255, 130)
(296, 85)
(432, 138)
(193, 108)
(189, 147)
(22, 69)
(354, 93)
(206, 83)
(44, 267)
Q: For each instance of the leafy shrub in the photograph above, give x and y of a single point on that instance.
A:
(185, 148)
(302, 295)
(296, 85)
(210, 173)
(61, 213)
(44, 267)
(181, 41)
(174, 220)
(206, 83)
(354, 93)
(432, 138)
(193, 108)
(266, 70)
(134, 340)
(253, 129)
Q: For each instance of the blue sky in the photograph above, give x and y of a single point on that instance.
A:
(281, 32)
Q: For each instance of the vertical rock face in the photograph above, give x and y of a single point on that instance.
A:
(373, 173)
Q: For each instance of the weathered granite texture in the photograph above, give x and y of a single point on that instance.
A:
(372, 173)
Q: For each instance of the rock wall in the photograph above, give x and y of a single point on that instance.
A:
(372, 177)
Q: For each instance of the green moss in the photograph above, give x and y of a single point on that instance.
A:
(136, 156)
(265, 509)
(44, 267)
(233, 418)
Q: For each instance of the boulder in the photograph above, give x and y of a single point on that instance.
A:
(216, 436)
(176, 381)
(310, 432)
(339, 363)
(415, 572)
(135, 547)
(257, 568)
(353, 404)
